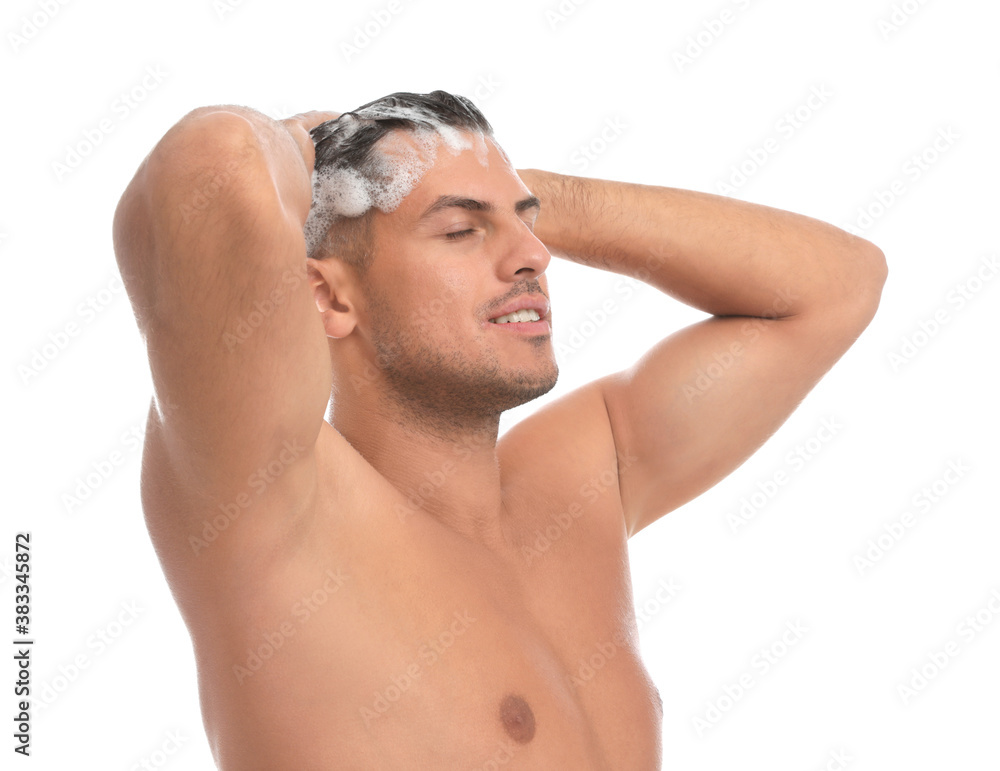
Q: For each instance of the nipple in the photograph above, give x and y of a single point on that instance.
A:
(517, 718)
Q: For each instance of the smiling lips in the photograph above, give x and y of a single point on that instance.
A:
(528, 314)
(526, 308)
(526, 321)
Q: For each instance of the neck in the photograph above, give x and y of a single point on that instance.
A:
(445, 465)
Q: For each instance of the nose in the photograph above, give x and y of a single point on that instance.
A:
(524, 256)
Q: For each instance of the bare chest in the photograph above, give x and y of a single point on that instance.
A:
(425, 650)
(531, 655)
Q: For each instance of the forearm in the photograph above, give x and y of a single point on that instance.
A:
(720, 255)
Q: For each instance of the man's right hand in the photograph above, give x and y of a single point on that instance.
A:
(299, 127)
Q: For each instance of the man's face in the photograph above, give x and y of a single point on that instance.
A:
(458, 252)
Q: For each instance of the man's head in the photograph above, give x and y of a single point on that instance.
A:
(421, 232)
(355, 172)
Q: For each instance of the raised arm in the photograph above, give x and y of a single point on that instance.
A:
(209, 241)
(789, 295)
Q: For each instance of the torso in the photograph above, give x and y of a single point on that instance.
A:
(357, 638)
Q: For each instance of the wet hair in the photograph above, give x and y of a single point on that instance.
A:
(352, 176)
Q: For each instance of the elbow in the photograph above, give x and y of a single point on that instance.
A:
(878, 268)
(864, 283)
(202, 150)
(208, 137)
(875, 274)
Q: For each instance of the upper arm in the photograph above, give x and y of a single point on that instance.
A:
(701, 401)
(208, 237)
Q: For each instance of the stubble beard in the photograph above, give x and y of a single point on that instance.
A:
(444, 390)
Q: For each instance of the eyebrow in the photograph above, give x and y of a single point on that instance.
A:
(473, 204)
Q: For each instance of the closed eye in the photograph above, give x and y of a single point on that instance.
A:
(458, 234)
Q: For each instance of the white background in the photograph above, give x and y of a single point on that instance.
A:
(548, 80)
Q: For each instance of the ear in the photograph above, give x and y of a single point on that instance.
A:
(333, 286)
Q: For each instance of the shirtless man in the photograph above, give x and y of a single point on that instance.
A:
(395, 587)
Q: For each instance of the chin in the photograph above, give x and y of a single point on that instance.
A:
(522, 388)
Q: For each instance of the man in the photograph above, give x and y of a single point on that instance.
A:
(373, 592)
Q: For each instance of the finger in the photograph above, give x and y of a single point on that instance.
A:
(309, 120)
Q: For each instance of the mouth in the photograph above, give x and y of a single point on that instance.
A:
(517, 317)
(528, 315)
(525, 322)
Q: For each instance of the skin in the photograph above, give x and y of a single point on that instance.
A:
(375, 589)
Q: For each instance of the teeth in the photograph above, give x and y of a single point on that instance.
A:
(525, 315)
